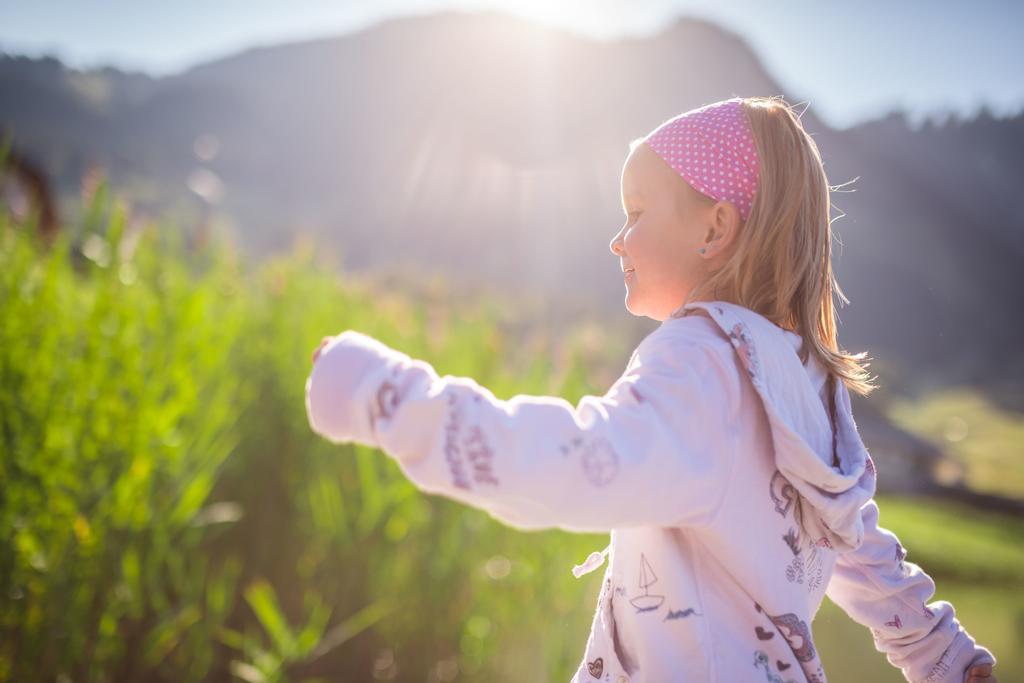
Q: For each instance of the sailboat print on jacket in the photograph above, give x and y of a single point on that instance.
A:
(647, 602)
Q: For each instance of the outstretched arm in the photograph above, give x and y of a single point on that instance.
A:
(877, 588)
(655, 449)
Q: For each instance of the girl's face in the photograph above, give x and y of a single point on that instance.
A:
(666, 222)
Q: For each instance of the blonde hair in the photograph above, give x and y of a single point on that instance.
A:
(782, 265)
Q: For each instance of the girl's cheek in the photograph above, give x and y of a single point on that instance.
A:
(631, 240)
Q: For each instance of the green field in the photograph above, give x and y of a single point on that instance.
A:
(171, 517)
(985, 441)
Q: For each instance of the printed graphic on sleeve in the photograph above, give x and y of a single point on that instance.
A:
(940, 669)
(466, 449)
(599, 460)
(480, 455)
(901, 554)
(384, 403)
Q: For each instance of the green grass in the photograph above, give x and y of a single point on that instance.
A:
(954, 540)
(172, 516)
(984, 439)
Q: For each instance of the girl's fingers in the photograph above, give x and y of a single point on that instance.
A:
(323, 342)
(981, 674)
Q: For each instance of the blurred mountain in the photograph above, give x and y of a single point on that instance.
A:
(489, 148)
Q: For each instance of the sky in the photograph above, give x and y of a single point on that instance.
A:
(851, 61)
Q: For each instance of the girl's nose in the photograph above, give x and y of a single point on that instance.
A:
(616, 245)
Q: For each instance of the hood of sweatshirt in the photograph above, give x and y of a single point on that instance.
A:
(833, 473)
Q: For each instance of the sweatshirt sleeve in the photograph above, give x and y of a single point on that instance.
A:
(655, 449)
(878, 589)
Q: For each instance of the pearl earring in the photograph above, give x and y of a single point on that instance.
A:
(701, 250)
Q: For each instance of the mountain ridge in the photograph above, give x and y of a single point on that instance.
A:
(489, 148)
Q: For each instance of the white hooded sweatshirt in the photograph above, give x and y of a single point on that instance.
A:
(711, 463)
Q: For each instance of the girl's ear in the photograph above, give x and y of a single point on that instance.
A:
(725, 222)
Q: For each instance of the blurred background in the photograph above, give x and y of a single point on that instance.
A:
(194, 194)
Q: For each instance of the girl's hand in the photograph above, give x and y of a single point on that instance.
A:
(337, 403)
(323, 343)
(982, 673)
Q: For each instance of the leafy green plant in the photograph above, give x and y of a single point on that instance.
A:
(117, 414)
(156, 458)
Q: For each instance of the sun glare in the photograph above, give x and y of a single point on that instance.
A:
(556, 14)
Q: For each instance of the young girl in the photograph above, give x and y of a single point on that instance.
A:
(724, 462)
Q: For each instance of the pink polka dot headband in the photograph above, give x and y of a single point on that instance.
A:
(712, 148)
